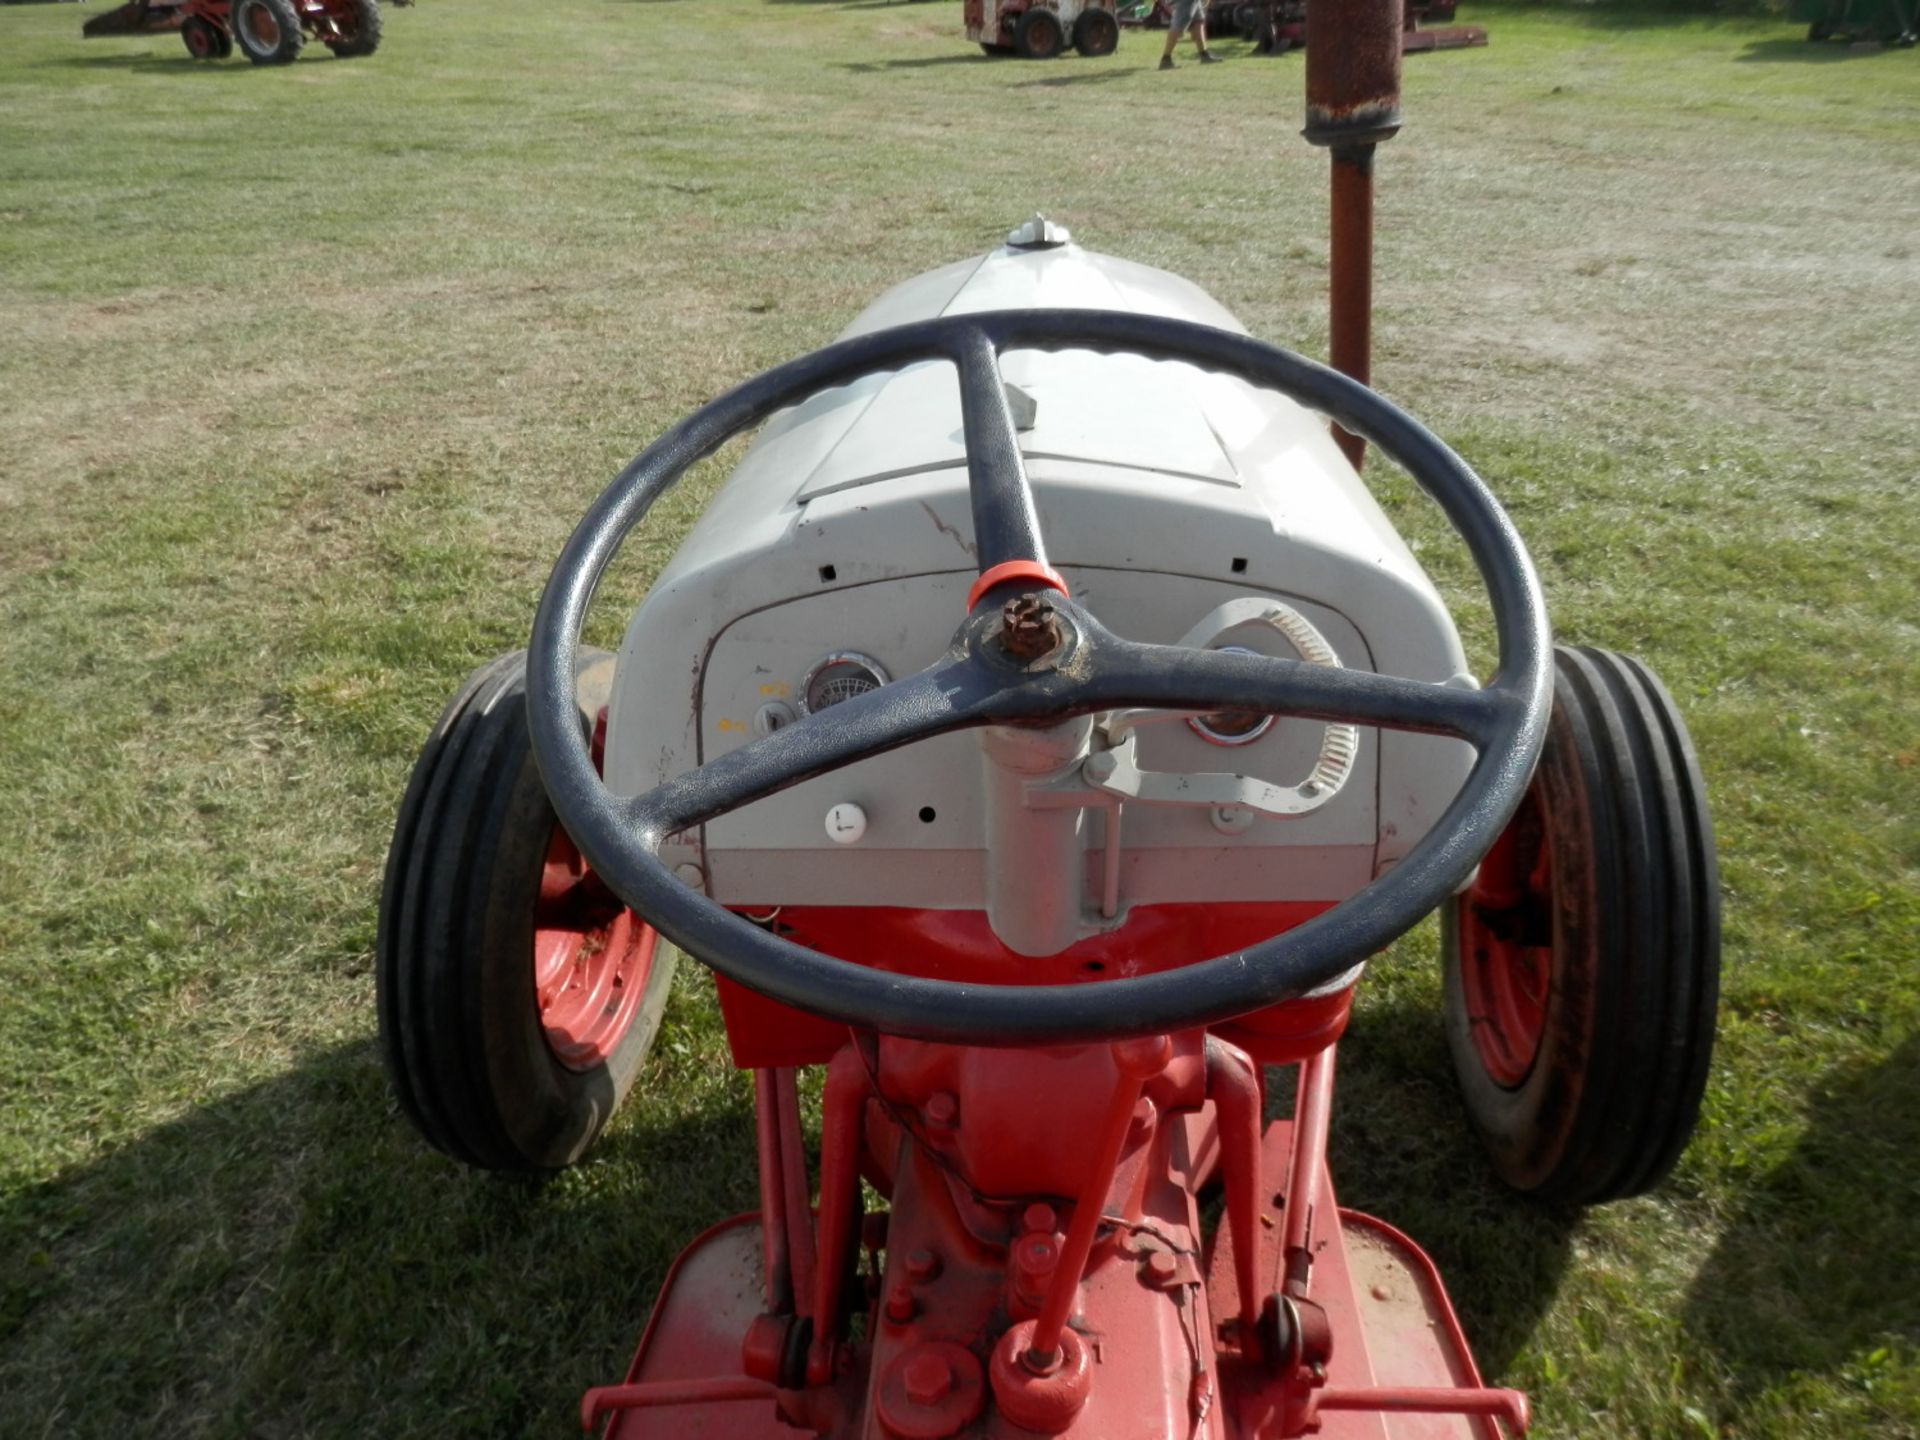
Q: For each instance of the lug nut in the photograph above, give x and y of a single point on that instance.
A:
(900, 1306)
(922, 1266)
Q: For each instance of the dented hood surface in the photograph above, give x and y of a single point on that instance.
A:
(1112, 411)
(1084, 414)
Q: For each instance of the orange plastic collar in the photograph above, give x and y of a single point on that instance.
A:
(1014, 570)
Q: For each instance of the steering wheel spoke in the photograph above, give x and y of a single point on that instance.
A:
(951, 694)
(1006, 527)
(1174, 677)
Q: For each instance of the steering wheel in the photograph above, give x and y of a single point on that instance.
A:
(1027, 654)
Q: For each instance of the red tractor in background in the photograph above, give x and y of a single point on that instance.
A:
(268, 32)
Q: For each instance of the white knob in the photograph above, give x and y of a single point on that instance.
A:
(846, 823)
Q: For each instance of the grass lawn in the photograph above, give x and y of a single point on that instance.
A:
(307, 372)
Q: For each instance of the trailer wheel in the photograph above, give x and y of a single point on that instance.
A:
(1582, 965)
(361, 29)
(201, 38)
(1038, 36)
(1096, 33)
(517, 997)
(267, 31)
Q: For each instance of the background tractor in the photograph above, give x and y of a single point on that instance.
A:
(267, 32)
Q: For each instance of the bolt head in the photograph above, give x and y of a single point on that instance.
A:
(1029, 627)
(943, 1109)
(927, 1378)
(1037, 1255)
(922, 1265)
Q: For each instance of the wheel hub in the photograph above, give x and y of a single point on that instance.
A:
(1506, 947)
(591, 956)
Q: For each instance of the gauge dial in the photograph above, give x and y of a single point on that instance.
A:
(840, 676)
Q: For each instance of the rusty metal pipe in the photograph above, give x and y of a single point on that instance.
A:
(1350, 277)
(1353, 103)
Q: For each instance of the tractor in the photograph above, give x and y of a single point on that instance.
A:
(268, 32)
(1039, 735)
(1042, 29)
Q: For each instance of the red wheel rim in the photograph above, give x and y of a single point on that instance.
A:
(591, 959)
(1505, 945)
(264, 28)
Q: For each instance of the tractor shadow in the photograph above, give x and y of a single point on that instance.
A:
(1819, 1264)
(1402, 1149)
(1083, 77)
(1798, 50)
(924, 62)
(291, 1259)
(151, 62)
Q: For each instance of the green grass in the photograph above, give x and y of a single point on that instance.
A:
(307, 372)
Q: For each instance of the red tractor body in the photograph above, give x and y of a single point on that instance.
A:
(1293, 1317)
(268, 32)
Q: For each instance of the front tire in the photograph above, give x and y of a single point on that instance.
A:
(267, 31)
(1038, 36)
(201, 38)
(1096, 33)
(1582, 966)
(517, 997)
(362, 30)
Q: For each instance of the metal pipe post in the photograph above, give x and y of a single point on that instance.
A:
(1353, 103)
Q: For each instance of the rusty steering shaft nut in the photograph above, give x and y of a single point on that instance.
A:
(1029, 627)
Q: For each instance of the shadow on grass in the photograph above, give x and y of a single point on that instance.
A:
(291, 1259)
(155, 61)
(1085, 77)
(923, 62)
(1402, 1150)
(1802, 51)
(1819, 1266)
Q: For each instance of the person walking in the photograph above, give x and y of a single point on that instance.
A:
(1191, 16)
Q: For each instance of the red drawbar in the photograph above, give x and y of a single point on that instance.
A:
(1007, 570)
(960, 945)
